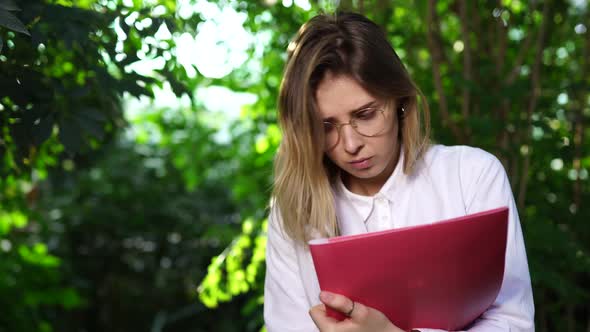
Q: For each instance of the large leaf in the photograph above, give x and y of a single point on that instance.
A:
(11, 22)
(8, 5)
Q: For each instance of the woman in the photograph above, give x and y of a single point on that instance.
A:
(355, 158)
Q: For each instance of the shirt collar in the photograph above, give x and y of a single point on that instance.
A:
(363, 205)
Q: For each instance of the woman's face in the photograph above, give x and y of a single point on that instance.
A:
(367, 162)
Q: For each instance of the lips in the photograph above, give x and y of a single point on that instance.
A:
(361, 163)
(358, 160)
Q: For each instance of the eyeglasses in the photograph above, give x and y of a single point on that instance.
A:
(367, 122)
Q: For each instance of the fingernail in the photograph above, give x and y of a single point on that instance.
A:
(326, 296)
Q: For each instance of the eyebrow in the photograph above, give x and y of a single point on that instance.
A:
(367, 105)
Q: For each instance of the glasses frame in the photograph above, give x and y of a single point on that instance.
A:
(352, 123)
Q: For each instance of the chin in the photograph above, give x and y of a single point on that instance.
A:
(367, 173)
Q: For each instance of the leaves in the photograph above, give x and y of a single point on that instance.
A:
(12, 219)
(11, 22)
(8, 5)
(238, 268)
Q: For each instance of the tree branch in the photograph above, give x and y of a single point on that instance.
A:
(476, 26)
(437, 56)
(535, 93)
(504, 136)
(521, 54)
(579, 123)
(501, 37)
(569, 317)
(503, 106)
(476, 48)
(467, 64)
(519, 59)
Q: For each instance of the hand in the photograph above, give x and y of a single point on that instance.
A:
(361, 319)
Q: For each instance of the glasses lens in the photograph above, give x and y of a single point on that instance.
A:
(370, 122)
(330, 134)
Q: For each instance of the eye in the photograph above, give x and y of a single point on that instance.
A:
(366, 114)
(328, 127)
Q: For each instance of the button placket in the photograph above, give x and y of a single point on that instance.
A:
(383, 213)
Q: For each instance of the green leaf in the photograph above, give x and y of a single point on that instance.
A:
(11, 22)
(1, 44)
(8, 5)
(70, 298)
(8, 220)
(262, 145)
(170, 5)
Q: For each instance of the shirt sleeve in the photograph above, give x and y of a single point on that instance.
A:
(485, 186)
(285, 303)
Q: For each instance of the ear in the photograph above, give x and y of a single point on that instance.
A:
(402, 108)
(401, 112)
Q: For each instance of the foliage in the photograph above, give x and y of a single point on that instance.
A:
(62, 76)
(133, 238)
(115, 222)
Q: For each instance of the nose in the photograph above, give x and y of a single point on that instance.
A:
(351, 140)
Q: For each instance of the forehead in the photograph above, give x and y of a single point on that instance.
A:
(337, 96)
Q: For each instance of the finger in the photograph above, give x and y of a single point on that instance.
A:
(360, 312)
(337, 302)
(320, 318)
(316, 312)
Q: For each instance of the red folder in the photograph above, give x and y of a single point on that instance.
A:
(442, 275)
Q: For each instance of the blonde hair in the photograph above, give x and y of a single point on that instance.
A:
(342, 44)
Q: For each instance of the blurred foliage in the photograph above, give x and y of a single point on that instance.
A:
(117, 222)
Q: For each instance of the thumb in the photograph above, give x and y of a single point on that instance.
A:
(319, 316)
(338, 302)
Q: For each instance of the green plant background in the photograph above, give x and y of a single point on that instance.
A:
(122, 216)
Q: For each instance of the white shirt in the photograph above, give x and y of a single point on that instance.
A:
(450, 182)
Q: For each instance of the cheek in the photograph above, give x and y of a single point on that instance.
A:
(387, 143)
(332, 155)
